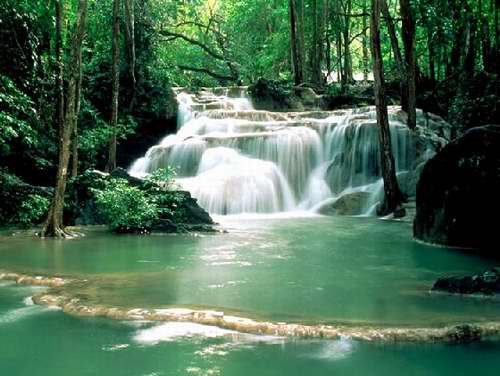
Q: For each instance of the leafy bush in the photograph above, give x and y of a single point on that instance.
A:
(161, 185)
(33, 210)
(126, 208)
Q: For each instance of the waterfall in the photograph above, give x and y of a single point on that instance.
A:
(235, 159)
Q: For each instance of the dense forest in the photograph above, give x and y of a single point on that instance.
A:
(86, 84)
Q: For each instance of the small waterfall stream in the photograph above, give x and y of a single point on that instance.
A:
(235, 159)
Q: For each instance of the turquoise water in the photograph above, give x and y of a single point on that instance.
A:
(310, 270)
(39, 341)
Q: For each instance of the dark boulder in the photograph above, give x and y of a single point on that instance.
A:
(487, 283)
(459, 191)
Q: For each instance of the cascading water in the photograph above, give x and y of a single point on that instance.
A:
(235, 159)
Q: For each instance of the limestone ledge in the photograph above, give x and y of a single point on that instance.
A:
(25, 279)
(451, 334)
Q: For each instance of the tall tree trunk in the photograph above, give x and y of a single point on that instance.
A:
(300, 9)
(54, 226)
(130, 41)
(348, 73)
(470, 44)
(366, 69)
(59, 7)
(397, 54)
(317, 50)
(432, 57)
(297, 69)
(75, 145)
(115, 82)
(392, 194)
(338, 37)
(485, 39)
(408, 31)
(458, 37)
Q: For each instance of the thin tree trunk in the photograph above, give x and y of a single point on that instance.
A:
(54, 226)
(300, 9)
(485, 37)
(408, 32)
(59, 5)
(397, 54)
(392, 193)
(458, 37)
(432, 57)
(294, 45)
(317, 50)
(115, 74)
(130, 40)
(348, 73)
(366, 70)
(74, 167)
(470, 45)
(314, 58)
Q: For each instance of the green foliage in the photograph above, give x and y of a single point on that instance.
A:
(17, 114)
(21, 203)
(32, 210)
(476, 103)
(160, 185)
(126, 208)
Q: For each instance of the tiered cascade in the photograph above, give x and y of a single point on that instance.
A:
(235, 159)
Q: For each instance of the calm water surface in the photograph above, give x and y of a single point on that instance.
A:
(319, 269)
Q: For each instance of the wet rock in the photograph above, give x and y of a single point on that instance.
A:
(458, 192)
(464, 334)
(487, 283)
(348, 204)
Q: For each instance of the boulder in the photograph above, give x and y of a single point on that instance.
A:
(349, 204)
(458, 192)
(487, 283)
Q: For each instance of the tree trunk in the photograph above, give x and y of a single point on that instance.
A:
(294, 45)
(59, 5)
(348, 73)
(458, 37)
(392, 194)
(74, 167)
(432, 57)
(317, 50)
(397, 54)
(300, 9)
(470, 45)
(130, 41)
(485, 39)
(366, 69)
(54, 226)
(115, 82)
(408, 31)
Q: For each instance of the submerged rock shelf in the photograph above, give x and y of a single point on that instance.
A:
(73, 305)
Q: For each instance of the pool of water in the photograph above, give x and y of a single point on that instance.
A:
(38, 341)
(301, 269)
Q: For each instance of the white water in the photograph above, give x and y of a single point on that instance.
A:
(235, 159)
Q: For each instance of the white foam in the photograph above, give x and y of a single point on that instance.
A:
(172, 331)
(335, 350)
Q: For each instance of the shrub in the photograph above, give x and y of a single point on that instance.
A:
(126, 208)
(32, 210)
(161, 185)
